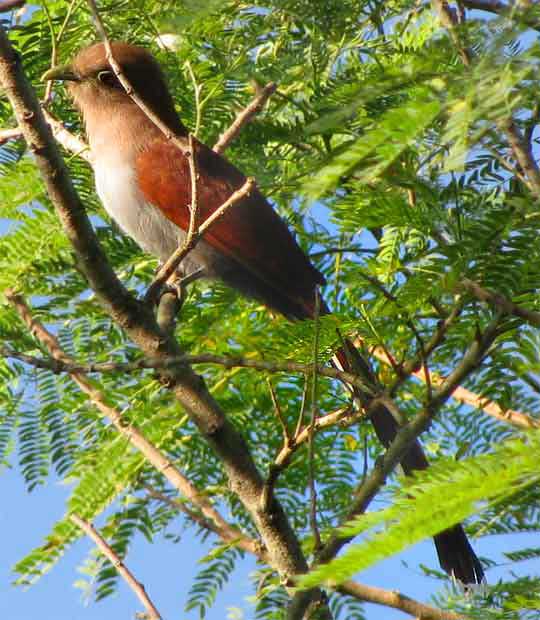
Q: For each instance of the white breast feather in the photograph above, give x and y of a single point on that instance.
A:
(123, 201)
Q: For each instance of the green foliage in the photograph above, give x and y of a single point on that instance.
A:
(416, 187)
(218, 566)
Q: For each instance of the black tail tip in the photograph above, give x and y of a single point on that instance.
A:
(457, 557)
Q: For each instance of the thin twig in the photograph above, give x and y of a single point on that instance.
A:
(191, 240)
(119, 565)
(303, 405)
(55, 40)
(279, 414)
(244, 117)
(197, 92)
(227, 535)
(338, 250)
(505, 163)
(314, 415)
(168, 270)
(499, 301)
(59, 366)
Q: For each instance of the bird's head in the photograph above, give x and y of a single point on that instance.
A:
(93, 84)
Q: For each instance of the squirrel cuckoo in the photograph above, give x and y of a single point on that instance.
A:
(143, 180)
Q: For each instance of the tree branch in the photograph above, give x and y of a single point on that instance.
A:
(449, 21)
(119, 565)
(396, 600)
(244, 117)
(67, 139)
(523, 154)
(461, 394)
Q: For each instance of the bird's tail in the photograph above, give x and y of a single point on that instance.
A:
(456, 555)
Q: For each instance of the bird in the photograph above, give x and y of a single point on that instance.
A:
(143, 180)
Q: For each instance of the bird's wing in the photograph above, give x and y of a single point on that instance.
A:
(250, 232)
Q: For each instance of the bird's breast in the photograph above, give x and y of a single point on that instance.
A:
(117, 188)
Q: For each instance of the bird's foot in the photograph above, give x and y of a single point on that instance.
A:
(174, 286)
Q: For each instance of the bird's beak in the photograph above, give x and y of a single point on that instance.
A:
(62, 73)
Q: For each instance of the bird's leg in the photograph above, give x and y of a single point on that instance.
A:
(171, 298)
(173, 285)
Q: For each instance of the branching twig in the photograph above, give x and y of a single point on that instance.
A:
(59, 366)
(193, 237)
(344, 416)
(119, 565)
(244, 117)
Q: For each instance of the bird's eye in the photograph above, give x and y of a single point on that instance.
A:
(108, 78)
